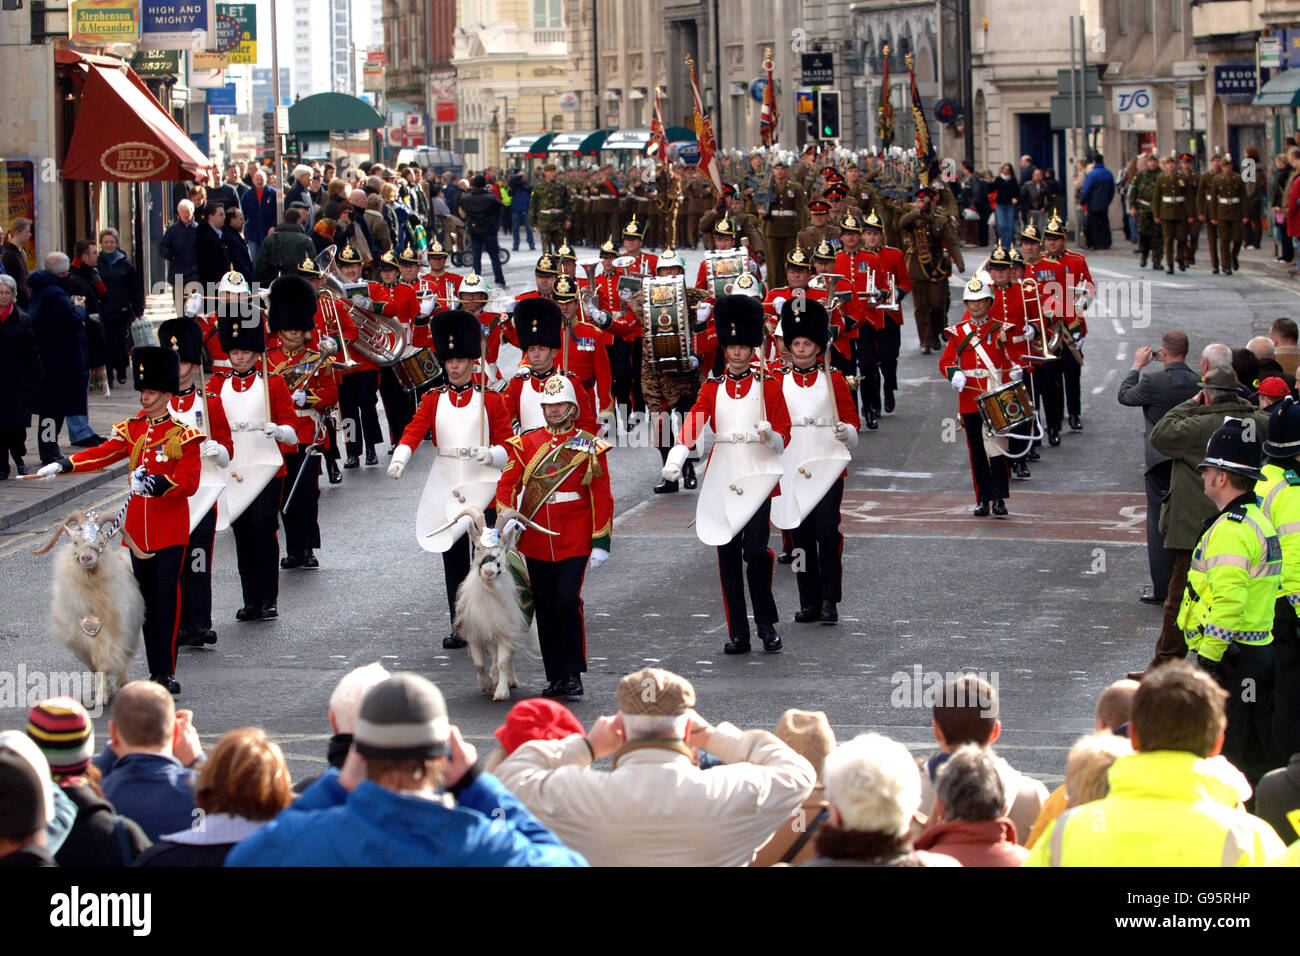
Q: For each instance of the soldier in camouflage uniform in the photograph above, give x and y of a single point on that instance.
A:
(551, 209)
(1143, 207)
(1170, 201)
(731, 203)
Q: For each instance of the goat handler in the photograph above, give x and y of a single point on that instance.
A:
(470, 425)
(165, 465)
(558, 477)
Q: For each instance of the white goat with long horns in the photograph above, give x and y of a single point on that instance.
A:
(494, 604)
(96, 610)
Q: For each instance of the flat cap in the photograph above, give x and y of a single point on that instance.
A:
(655, 692)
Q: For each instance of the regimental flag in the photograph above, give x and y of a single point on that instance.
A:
(886, 110)
(658, 145)
(927, 163)
(704, 135)
(770, 115)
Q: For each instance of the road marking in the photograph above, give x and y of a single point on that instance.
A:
(1119, 329)
(1104, 382)
(1109, 273)
(887, 473)
(632, 512)
(1119, 354)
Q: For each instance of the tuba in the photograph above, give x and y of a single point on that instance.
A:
(381, 339)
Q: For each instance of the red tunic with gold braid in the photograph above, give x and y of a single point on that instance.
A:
(1009, 309)
(167, 448)
(582, 352)
(327, 311)
(398, 301)
(321, 387)
(581, 512)
(1077, 274)
(586, 404)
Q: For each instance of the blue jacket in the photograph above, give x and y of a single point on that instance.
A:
(156, 792)
(60, 329)
(259, 217)
(1098, 188)
(373, 826)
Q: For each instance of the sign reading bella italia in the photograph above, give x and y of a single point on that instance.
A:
(134, 160)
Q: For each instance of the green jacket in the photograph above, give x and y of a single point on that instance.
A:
(1232, 585)
(1182, 435)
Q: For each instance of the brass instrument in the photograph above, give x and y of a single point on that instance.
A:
(381, 339)
(299, 373)
(1044, 347)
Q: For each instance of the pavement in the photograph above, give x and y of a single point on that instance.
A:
(1044, 602)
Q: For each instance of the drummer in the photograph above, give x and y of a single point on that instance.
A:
(975, 361)
(1009, 307)
(583, 351)
(724, 240)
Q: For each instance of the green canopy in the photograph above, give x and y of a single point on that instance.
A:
(531, 144)
(578, 141)
(332, 112)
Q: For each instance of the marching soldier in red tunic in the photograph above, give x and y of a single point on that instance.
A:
(201, 410)
(748, 415)
(878, 348)
(233, 297)
(164, 456)
(390, 297)
(583, 352)
(445, 285)
(558, 477)
(1051, 278)
(539, 326)
(473, 294)
(1077, 294)
(643, 263)
(1010, 308)
(426, 302)
(975, 361)
(625, 348)
(264, 429)
(359, 386)
(823, 430)
(309, 376)
(470, 426)
(544, 276)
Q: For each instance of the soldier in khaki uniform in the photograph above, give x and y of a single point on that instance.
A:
(856, 189)
(926, 236)
(732, 204)
(1170, 200)
(785, 214)
(1192, 235)
(838, 197)
(1205, 214)
(693, 205)
(645, 198)
(820, 226)
(551, 209)
(806, 174)
(1227, 206)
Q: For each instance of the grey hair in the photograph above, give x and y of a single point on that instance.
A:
(185, 203)
(58, 263)
(641, 726)
(1217, 355)
(10, 281)
(969, 787)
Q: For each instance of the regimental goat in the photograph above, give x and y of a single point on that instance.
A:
(494, 604)
(96, 608)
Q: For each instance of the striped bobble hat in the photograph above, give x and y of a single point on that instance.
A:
(62, 730)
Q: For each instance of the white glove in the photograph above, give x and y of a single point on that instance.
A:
(778, 304)
(523, 371)
(769, 437)
(693, 363)
(702, 312)
(1017, 374)
(139, 484)
(193, 304)
(493, 456)
(514, 527)
(958, 381)
(281, 433)
(598, 557)
(400, 457)
(599, 318)
(845, 434)
(672, 470)
(300, 398)
(50, 470)
(510, 307)
(1078, 337)
(1031, 332)
(427, 304)
(363, 302)
(1081, 304)
(216, 451)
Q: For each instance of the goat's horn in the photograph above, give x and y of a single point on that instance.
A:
(63, 528)
(505, 514)
(135, 549)
(473, 512)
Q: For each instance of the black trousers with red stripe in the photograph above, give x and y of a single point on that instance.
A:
(818, 538)
(196, 575)
(749, 547)
(301, 517)
(159, 578)
(257, 548)
(557, 598)
(991, 476)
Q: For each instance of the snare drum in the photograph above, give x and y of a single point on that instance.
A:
(1004, 409)
(416, 369)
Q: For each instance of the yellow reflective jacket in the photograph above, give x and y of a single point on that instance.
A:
(1233, 581)
(1159, 812)
(1279, 498)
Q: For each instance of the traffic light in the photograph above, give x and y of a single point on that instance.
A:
(828, 114)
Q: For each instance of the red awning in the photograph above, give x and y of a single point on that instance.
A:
(123, 135)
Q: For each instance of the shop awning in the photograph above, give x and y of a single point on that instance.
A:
(531, 144)
(639, 137)
(122, 134)
(1282, 90)
(578, 141)
(332, 112)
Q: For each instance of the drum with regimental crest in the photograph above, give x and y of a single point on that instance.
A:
(416, 368)
(666, 323)
(1005, 408)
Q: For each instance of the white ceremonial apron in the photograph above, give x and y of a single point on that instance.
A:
(815, 458)
(740, 474)
(456, 481)
(531, 415)
(256, 458)
(212, 478)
